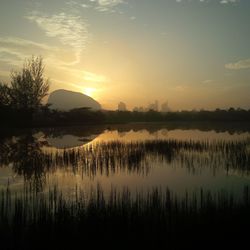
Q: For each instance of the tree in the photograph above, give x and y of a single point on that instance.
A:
(4, 95)
(28, 87)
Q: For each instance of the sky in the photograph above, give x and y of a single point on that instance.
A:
(195, 54)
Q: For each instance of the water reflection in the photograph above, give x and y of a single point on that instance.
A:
(24, 155)
(123, 157)
(70, 137)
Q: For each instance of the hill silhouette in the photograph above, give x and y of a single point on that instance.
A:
(65, 100)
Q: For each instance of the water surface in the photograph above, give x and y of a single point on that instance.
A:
(138, 157)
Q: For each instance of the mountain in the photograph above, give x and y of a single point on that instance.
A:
(66, 100)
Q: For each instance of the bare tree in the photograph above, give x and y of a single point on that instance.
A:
(29, 87)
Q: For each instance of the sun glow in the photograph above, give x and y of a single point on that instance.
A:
(89, 92)
(91, 77)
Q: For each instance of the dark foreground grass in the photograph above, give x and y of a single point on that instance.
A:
(155, 220)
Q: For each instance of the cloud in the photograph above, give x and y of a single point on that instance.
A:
(70, 29)
(58, 61)
(242, 64)
(99, 5)
(95, 78)
(14, 50)
(180, 88)
(207, 1)
(110, 3)
(228, 1)
(207, 81)
(84, 76)
(22, 43)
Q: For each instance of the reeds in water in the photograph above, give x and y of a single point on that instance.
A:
(139, 157)
(154, 219)
(33, 163)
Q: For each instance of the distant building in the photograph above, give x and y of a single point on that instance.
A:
(164, 107)
(141, 109)
(154, 106)
(136, 109)
(122, 106)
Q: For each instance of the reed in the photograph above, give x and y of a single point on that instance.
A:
(156, 218)
(136, 157)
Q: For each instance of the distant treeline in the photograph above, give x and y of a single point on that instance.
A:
(203, 115)
(47, 117)
(21, 105)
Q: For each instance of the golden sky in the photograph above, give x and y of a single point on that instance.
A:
(192, 53)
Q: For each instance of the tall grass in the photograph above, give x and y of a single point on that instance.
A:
(158, 218)
(30, 161)
(138, 157)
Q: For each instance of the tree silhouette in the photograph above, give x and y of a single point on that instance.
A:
(28, 87)
(4, 95)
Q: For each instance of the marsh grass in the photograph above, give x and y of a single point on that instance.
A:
(157, 218)
(154, 218)
(112, 157)
(28, 159)
(109, 157)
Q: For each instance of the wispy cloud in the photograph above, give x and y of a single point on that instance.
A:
(107, 5)
(84, 75)
(242, 64)
(228, 1)
(207, 81)
(95, 78)
(14, 50)
(22, 42)
(180, 88)
(108, 2)
(208, 1)
(99, 5)
(70, 29)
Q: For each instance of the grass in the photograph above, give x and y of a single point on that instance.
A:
(155, 219)
(28, 159)
(138, 156)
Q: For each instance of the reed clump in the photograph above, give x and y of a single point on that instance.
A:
(105, 158)
(115, 156)
(156, 218)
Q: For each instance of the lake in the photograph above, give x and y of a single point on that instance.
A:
(181, 157)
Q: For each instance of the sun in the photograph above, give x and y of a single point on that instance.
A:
(89, 91)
